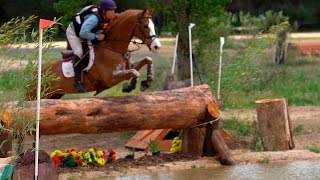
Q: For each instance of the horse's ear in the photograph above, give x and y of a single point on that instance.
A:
(147, 12)
(151, 11)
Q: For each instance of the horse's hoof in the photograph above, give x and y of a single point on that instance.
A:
(144, 85)
(126, 88)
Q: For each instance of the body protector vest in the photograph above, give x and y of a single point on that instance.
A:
(78, 19)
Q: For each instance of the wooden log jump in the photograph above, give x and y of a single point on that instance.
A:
(173, 109)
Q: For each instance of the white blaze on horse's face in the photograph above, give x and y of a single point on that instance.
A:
(155, 43)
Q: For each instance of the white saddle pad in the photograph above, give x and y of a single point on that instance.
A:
(67, 67)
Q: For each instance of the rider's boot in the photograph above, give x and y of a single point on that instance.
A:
(77, 75)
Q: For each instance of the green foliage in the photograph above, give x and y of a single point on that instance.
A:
(15, 30)
(245, 72)
(153, 145)
(256, 142)
(22, 124)
(314, 149)
(70, 7)
(239, 128)
(9, 80)
(299, 129)
(206, 14)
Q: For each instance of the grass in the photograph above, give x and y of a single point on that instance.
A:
(314, 149)
(238, 128)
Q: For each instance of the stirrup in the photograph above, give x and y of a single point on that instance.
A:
(78, 85)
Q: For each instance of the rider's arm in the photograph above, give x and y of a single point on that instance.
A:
(88, 25)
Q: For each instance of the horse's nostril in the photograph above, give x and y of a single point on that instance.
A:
(156, 47)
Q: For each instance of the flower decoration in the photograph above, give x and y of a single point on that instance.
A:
(74, 158)
(176, 145)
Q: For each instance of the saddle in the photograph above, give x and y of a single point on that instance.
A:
(67, 55)
(86, 61)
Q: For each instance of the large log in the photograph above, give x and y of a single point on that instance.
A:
(176, 109)
(274, 124)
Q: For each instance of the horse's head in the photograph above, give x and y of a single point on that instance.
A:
(145, 31)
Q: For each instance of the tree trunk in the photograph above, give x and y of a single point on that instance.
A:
(183, 19)
(175, 109)
(274, 124)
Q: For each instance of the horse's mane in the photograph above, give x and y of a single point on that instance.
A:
(119, 17)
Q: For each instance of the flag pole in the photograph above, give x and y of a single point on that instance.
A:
(220, 65)
(38, 105)
(43, 23)
(191, 25)
(175, 54)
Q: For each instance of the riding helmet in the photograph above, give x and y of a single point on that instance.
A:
(108, 5)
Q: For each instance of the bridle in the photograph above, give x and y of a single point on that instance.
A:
(139, 27)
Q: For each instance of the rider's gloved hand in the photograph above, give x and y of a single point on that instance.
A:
(100, 36)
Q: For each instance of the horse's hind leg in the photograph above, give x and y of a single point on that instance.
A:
(150, 74)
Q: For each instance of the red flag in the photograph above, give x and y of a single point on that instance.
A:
(43, 23)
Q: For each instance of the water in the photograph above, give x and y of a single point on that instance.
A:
(299, 170)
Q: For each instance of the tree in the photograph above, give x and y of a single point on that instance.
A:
(205, 14)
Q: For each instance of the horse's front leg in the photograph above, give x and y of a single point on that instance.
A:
(121, 73)
(150, 72)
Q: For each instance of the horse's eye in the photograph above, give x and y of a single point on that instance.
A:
(146, 26)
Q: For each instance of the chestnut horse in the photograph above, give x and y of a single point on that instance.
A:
(111, 63)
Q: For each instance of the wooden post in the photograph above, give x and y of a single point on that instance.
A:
(274, 124)
(220, 146)
(193, 140)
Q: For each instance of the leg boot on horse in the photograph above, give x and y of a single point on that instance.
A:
(77, 75)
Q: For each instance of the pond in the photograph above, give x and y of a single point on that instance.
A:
(272, 171)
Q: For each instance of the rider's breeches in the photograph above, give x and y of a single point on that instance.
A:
(74, 41)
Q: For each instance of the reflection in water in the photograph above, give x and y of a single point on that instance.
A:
(274, 171)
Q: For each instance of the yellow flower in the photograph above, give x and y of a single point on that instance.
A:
(99, 154)
(74, 153)
(84, 163)
(91, 150)
(176, 145)
(56, 153)
(100, 161)
(87, 155)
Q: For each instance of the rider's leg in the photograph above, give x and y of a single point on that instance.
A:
(75, 43)
(77, 75)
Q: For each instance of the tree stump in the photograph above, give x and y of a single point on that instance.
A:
(5, 143)
(25, 167)
(274, 124)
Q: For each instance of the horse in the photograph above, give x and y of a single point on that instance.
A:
(112, 63)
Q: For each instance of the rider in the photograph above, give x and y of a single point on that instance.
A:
(87, 25)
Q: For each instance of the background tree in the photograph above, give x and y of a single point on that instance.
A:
(205, 14)
(305, 13)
